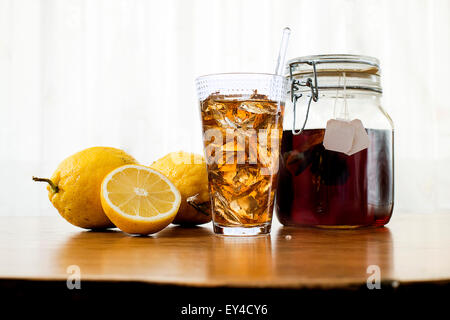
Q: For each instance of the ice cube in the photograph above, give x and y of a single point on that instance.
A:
(227, 165)
(262, 121)
(258, 107)
(245, 206)
(244, 119)
(264, 186)
(221, 207)
(246, 179)
(226, 123)
(211, 105)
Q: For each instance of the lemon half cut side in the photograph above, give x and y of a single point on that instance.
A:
(139, 200)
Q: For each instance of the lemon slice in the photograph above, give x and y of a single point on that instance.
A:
(139, 200)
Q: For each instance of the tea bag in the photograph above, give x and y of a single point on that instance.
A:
(343, 135)
(360, 139)
(339, 135)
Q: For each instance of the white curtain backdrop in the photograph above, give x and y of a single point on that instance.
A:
(80, 73)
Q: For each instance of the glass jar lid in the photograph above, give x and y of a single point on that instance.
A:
(334, 71)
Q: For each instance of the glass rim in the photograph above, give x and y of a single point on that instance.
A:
(336, 58)
(224, 74)
(362, 72)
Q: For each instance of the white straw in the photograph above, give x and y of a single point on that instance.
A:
(283, 49)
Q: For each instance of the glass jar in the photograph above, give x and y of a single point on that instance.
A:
(323, 188)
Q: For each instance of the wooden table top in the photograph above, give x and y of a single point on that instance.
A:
(412, 248)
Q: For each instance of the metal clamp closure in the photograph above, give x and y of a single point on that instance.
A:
(295, 87)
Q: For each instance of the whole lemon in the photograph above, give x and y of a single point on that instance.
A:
(187, 171)
(74, 188)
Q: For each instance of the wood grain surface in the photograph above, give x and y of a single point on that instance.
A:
(412, 248)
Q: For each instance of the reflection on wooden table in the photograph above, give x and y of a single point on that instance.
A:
(413, 248)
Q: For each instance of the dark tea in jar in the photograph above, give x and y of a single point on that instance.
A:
(324, 184)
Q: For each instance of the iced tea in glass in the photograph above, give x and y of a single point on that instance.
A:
(242, 116)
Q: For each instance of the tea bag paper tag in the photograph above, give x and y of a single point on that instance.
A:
(345, 136)
(360, 139)
(339, 135)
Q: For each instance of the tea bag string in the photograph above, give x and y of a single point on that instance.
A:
(343, 115)
(346, 117)
(336, 97)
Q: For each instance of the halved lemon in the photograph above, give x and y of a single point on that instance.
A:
(139, 200)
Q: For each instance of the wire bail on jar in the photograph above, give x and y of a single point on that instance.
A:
(295, 87)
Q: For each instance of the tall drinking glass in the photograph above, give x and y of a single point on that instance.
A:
(242, 116)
